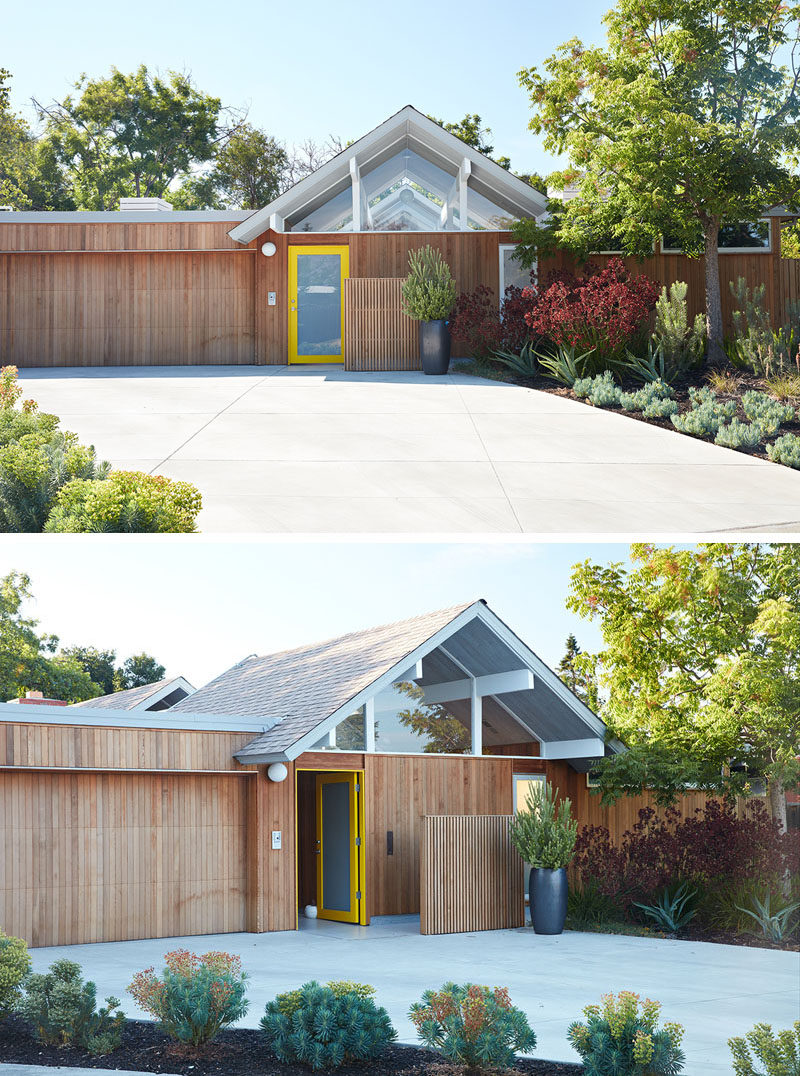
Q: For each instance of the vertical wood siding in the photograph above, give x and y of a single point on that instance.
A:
(377, 334)
(104, 857)
(470, 875)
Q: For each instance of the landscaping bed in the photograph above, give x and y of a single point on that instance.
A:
(236, 1052)
(734, 392)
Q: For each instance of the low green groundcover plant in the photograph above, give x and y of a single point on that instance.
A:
(324, 1027)
(125, 502)
(617, 1039)
(195, 996)
(707, 414)
(474, 1026)
(785, 450)
(62, 1010)
(15, 963)
(761, 1052)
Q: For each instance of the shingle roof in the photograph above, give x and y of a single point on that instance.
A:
(297, 689)
(126, 700)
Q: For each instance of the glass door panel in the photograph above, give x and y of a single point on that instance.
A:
(316, 303)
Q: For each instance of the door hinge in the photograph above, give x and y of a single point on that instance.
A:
(358, 787)
(358, 842)
(358, 894)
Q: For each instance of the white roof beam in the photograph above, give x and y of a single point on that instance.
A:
(494, 684)
(563, 749)
(464, 170)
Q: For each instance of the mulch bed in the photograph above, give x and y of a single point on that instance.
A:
(238, 1052)
(746, 382)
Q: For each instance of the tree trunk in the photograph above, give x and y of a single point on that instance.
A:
(716, 351)
(777, 805)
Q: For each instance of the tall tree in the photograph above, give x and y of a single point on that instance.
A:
(28, 660)
(139, 670)
(249, 171)
(580, 680)
(131, 134)
(472, 131)
(99, 664)
(30, 177)
(688, 119)
(701, 662)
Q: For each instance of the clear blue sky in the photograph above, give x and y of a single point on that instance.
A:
(314, 68)
(200, 605)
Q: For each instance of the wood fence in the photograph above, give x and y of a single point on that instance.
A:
(471, 876)
(377, 334)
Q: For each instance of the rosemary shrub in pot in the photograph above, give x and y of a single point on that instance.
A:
(429, 295)
(544, 834)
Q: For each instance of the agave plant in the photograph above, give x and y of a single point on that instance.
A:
(672, 911)
(651, 367)
(565, 366)
(774, 925)
(526, 364)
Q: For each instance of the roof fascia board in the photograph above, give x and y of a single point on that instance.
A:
(305, 742)
(116, 216)
(172, 721)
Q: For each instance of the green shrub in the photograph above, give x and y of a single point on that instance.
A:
(544, 832)
(429, 291)
(126, 501)
(785, 450)
(706, 415)
(15, 963)
(599, 390)
(195, 996)
(587, 906)
(325, 1027)
(778, 1055)
(618, 1040)
(740, 434)
(680, 344)
(62, 1010)
(673, 909)
(473, 1026)
(756, 345)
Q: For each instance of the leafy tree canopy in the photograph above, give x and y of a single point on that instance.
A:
(30, 177)
(131, 134)
(28, 660)
(688, 118)
(577, 678)
(701, 664)
(249, 171)
(138, 670)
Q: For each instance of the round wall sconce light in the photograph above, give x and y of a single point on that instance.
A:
(268, 249)
(277, 772)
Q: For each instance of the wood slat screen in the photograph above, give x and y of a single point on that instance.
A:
(378, 335)
(471, 876)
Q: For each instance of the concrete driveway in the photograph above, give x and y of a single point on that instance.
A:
(316, 449)
(715, 991)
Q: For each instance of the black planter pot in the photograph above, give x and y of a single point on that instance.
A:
(547, 892)
(434, 346)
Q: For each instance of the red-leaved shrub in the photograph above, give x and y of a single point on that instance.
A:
(712, 847)
(480, 328)
(605, 309)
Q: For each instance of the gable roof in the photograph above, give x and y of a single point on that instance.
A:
(300, 694)
(139, 698)
(406, 129)
(295, 690)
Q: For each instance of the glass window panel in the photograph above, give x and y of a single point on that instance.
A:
(335, 215)
(406, 724)
(483, 215)
(349, 734)
(747, 235)
(528, 784)
(319, 304)
(513, 273)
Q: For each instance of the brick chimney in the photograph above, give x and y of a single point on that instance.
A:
(36, 698)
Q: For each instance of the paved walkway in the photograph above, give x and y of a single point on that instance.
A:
(715, 991)
(316, 449)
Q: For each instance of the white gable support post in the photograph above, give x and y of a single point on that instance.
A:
(276, 222)
(355, 190)
(369, 725)
(464, 171)
(476, 719)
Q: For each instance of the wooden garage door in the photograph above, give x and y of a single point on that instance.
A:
(92, 857)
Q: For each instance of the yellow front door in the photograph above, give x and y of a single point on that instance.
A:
(316, 302)
(340, 847)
